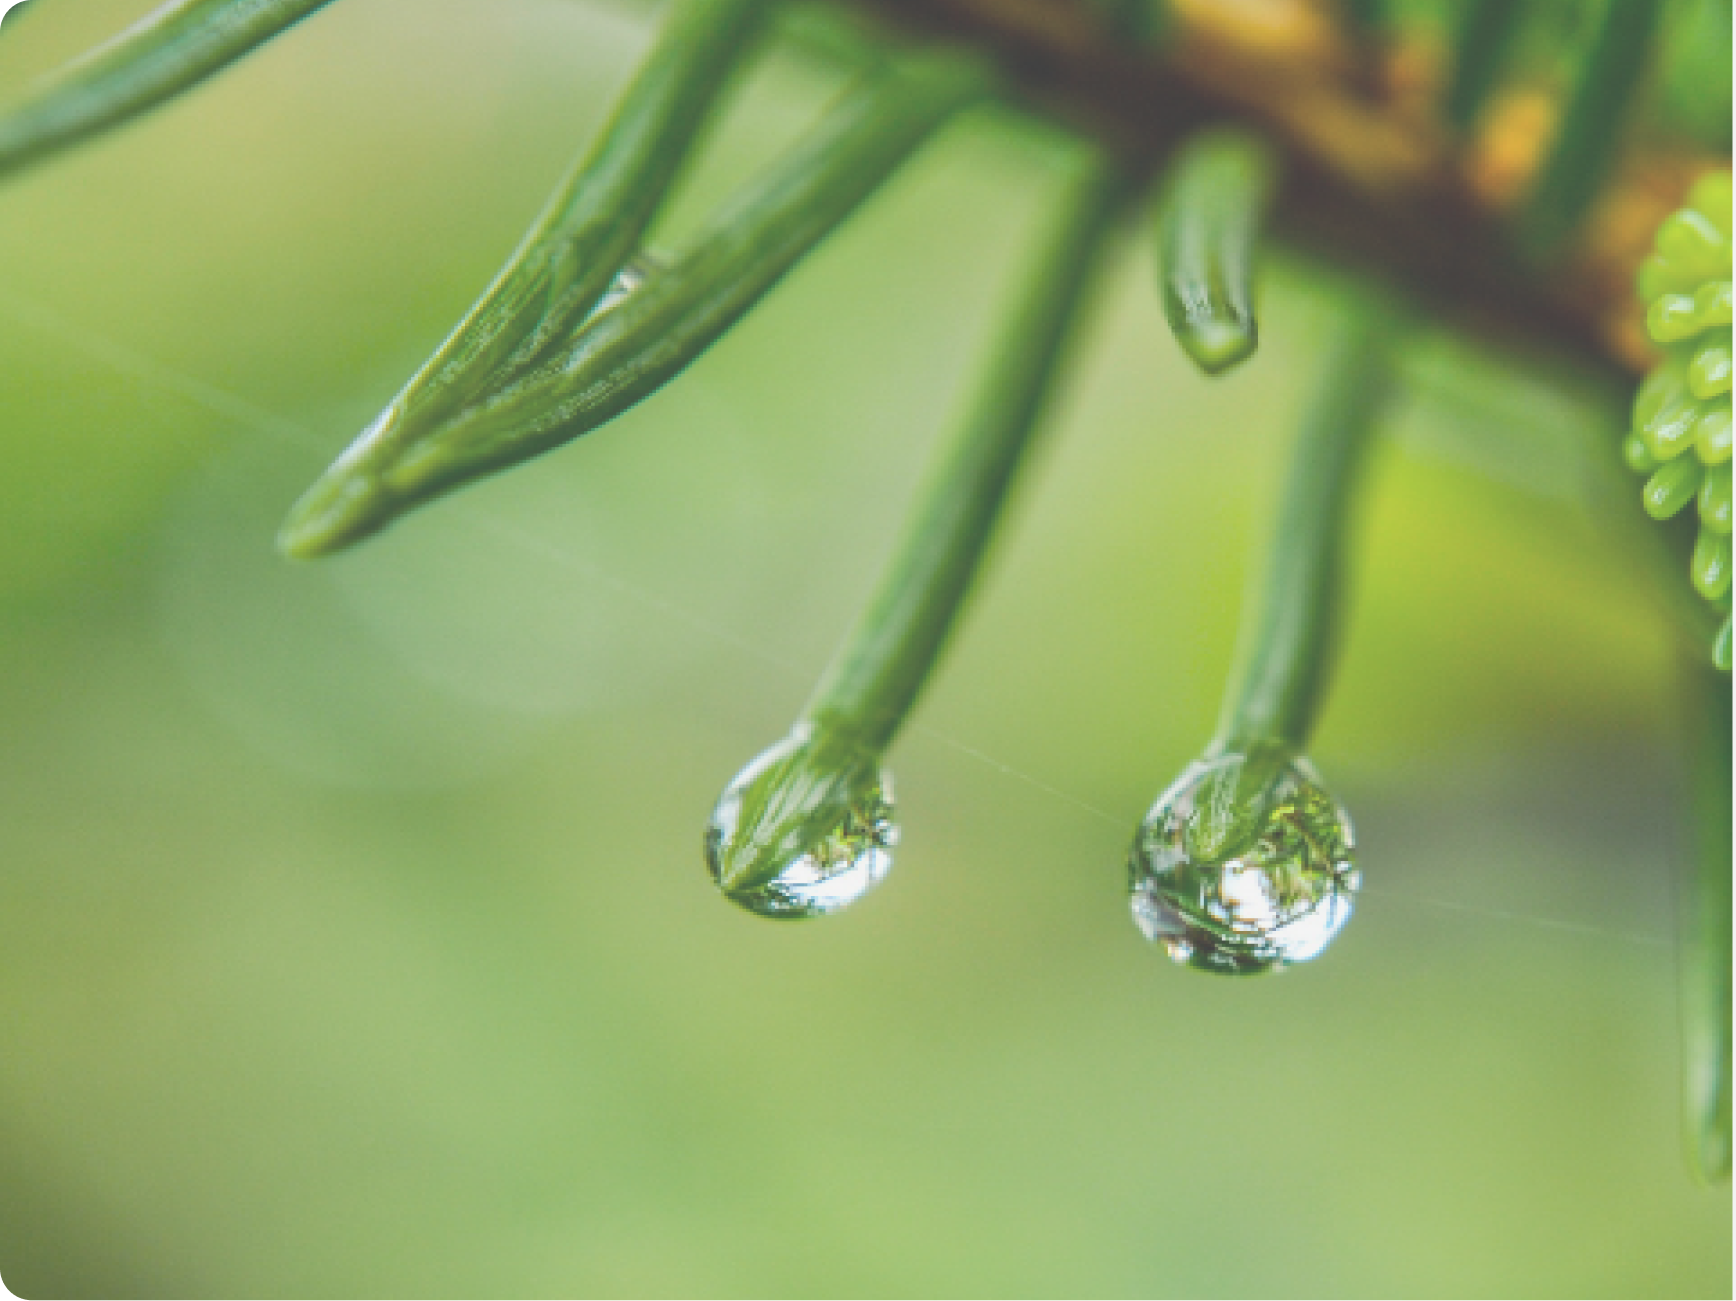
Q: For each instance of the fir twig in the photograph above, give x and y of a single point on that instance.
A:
(632, 350)
(804, 829)
(594, 221)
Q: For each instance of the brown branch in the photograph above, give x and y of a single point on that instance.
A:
(1364, 184)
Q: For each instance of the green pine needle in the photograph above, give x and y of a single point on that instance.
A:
(1482, 43)
(164, 53)
(1208, 226)
(876, 677)
(592, 224)
(1610, 69)
(807, 794)
(1289, 635)
(627, 353)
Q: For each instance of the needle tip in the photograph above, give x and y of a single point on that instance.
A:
(1218, 345)
(341, 509)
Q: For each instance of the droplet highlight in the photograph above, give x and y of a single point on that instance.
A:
(628, 280)
(1255, 887)
(805, 829)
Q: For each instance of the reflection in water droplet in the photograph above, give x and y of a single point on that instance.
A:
(803, 830)
(1273, 896)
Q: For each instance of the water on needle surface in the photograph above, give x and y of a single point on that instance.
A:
(1273, 894)
(803, 830)
(640, 268)
(125, 360)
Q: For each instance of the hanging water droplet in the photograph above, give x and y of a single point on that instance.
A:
(805, 829)
(1243, 865)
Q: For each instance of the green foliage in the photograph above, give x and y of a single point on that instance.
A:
(547, 354)
(1291, 633)
(1681, 438)
(1609, 73)
(592, 226)
(1208, 228)
(555, 280)
(877, 675)
(1485, 33)
(1694, 91)
(589, 377)
(1244, 864)
(801, 806)
(172, 48)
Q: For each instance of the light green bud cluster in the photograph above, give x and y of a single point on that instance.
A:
(1681, 438)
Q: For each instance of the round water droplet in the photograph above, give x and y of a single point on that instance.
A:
(803, 830)
(1271, 889)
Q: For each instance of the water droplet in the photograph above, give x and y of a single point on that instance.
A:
(1244, 865)
(639, 268)
(805, 829)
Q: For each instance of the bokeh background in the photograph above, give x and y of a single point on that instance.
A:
(354, 935)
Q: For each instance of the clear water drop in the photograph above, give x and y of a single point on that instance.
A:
(1244, 865)
(803, 830)
(638, 269)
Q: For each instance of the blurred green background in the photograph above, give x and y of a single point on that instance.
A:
(354, 935)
